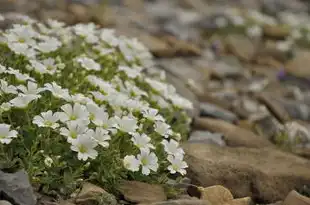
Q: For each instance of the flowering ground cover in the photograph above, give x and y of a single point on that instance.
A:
(80, 103)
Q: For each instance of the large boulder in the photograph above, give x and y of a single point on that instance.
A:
(265, 174)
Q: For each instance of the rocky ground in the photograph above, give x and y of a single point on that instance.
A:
(250, 142)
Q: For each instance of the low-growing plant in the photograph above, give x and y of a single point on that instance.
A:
(81, 103)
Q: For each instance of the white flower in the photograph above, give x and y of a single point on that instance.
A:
(237, 20)
(57, 91)
(47, 119)
(102, 136)
(131, 163)
(152, 114)
(22, 49)
(84, 145)
(149, 161)
(162, 128)
(38, 66)
(126, 124)
(6, 134)
(254, 31)
(172, 147)
(181, 102)
(31, 89)
(84, 29)
(133, 104)
(108, 36)
(80, 98)
(2, 69)
(2, 18)
(6, 88)
(54, 24)
(49, 44)
(131, 72)
(22, 101)
(76, 112)
(177, 164)
(5, 107)
(20, 76)
(48, 161)
(142, 141)
(98, 115)
(73, 130)
(88, 63)
(296, 34)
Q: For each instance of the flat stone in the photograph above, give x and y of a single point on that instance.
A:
(234, 136)
(222, 69)
(90, 194)
(296, 198)
(139, 192)
(240, 46)
(2, 202)
(81, 12)
(211, 110)
(181, 202)
(241, 201)
(217, 195)
(207, 137)
(297, 66)
(17, 188)
(266, 126)
(264, 174)
(276, 31)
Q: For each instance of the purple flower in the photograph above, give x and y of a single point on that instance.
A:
(281, 74)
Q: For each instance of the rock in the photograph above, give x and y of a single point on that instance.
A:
(285, 109)
(274, 106)
(181, 47)
(211, 110)
(4, 202)
(17, 188)
(266, 126)
(273, 7)
(195, 78)
(264, 174)
(207, 137)
(276, 31)
(296, 198)
(221, 70)
(240, 46)
(217, 195)
(81, 12)
(241, 201)
(234, 136)
(185, 92)
(92, 194)
(297, 66)
(57, 15)
(181, 202)
(139, 192)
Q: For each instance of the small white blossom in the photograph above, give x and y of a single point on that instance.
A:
(31, 89)
(148, 160)
(142, 141)
(177, 164)
(48, 161)
(126, 124)
(5, 107)
(254, 31)
(49, 44)
(77, 112)
(22, 101)
(72, 130)
(172, 147)
(131, 163)
(163, 129)
(47, 119)
(152, 114)
(20, 76)
(6, 134)
(102, 136)
(58, 91)
(131, 72)
(84, 145)
(2, 69)
(6, 88)
(88, 63)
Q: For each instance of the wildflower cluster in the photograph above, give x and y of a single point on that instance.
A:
(81, 102)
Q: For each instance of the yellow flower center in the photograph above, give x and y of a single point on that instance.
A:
(82, 149)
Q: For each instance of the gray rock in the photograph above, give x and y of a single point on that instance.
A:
(210, 110)
(17, 188)
(207, 137)
(2, 202)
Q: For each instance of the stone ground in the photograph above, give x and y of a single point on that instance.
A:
(251, 131)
